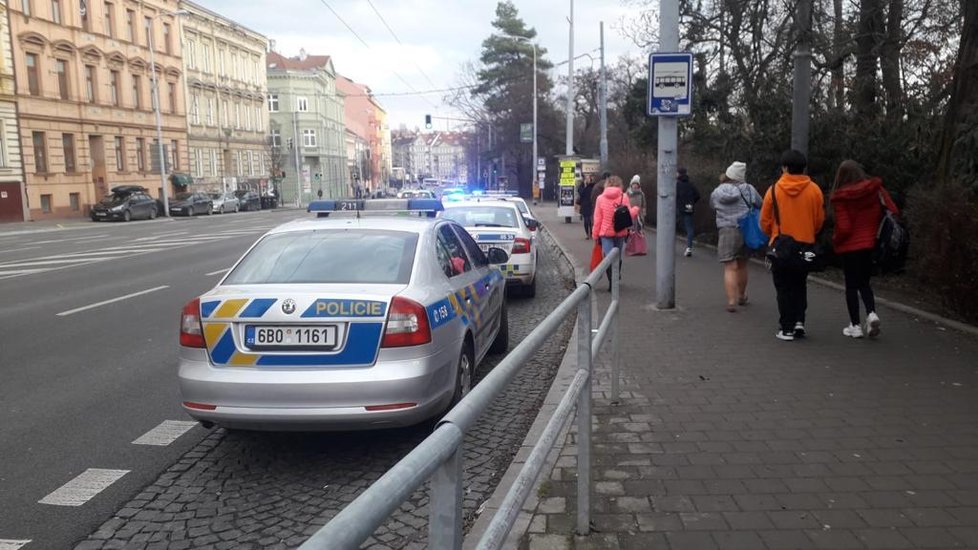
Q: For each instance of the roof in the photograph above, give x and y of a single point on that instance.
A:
(341, 220)
(275, 60)
(483, 202)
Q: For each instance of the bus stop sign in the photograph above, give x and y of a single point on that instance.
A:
(670, 84)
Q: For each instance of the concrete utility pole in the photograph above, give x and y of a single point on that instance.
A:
(665, 239)
(801, 94)
(570, 87)
(603, 92)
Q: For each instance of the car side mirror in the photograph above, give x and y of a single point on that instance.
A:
(532, 224)
(497, 256)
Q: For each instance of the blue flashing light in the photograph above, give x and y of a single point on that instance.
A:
(477, 192)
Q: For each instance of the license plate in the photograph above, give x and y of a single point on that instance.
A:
(100, 214)
(318, 337)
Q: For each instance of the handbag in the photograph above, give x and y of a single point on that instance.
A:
(750, 226)
(622, 218)
(596, 255)
(788, 254)
(636, 245)
(892, 242)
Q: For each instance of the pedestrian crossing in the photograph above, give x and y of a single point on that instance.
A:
(145, 245)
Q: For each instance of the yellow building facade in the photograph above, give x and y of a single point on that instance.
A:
(85, 103)
(13, 201)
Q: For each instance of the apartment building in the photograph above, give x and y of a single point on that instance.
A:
(368, 139)
(227, 117)
(13, 200)
(87, 124)
(437, 155)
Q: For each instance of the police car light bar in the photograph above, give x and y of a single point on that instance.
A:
(494, 193)
(375, 205)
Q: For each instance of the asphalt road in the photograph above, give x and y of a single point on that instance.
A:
(83, 379)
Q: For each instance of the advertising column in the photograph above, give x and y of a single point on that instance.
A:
(569, 179)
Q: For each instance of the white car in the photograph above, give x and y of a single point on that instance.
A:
(224, 202)
(499, 223)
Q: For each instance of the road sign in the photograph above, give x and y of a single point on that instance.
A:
(541, 163)
(670, 84)
(526, 133)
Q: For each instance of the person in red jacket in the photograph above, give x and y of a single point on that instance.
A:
(611, 198)
(858, 201)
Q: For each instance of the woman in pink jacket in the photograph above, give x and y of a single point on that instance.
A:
(604, 215)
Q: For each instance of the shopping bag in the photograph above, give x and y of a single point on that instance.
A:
(750, 228)
(596, 255)
(636, 244)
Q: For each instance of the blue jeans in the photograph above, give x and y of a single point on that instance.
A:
(608, 243)
(690, 229)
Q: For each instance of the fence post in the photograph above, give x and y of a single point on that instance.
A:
(445, 507)
(584, 417)
(616, 331)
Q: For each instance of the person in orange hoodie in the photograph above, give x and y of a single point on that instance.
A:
(801, 208)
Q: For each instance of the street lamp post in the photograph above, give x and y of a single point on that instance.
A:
(156, 108)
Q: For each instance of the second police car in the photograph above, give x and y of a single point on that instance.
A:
(499, 223)
(344, 322)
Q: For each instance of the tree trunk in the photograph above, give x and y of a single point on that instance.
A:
(867, 53)
(890, 61)
(838, 89)
(959, 145)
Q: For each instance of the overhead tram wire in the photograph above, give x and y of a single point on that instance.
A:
(366, 45)
(390, 30)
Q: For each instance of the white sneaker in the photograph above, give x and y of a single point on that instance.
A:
(786, 336)
(689, 252)
(873, 325)
(853, 331)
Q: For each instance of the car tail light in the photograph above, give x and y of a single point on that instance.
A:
(521, 245)
(407, 324)
(191, 330)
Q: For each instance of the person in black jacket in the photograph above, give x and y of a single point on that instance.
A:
(686, 198)
(587, 206)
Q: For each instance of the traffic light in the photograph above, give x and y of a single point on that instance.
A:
(427, 121)
(291, 144)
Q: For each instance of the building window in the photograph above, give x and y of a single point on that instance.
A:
(46, 204)
(234, 65)
(167, 46)
(302, 104)
(141, 154)
(195, 109)
(210, 111)
(56, 11)
(259, 127)
(174, 155)
(308, 138)
(251, 163)
(261, 164)
(109, 24)
(206, 57)
(172, 92)
(33, 84)
(224, 114)
(221, 55)
(68, 144)
(3, 145)
(120, 154)
(273, 103)
(190, 52)
(131, 25)
(75, 200)
(61, 68)
(90, 85)
(198, 162)
(237, 115)
(40, 153)
(114, 86)
(25, 6)
(137, 96)
(212, 162)
(148, 28)
(275, 138)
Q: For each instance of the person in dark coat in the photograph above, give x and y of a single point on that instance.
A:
(587, 206)
(686, 198)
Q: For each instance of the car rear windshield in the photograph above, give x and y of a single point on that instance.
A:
(183, 196)
(482, 216)
(115, 198)
(337, 256)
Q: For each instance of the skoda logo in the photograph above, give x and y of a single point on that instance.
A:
(288, 306)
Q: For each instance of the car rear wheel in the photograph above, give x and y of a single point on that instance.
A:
(222, 209)
(152, 213)
(127, 216)
(210, 209)
(501, 344)
(530, 290)
(464, 374)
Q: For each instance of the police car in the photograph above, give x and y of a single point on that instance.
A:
(345, 322)
(499, 223)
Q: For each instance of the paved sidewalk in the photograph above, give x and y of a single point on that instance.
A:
(729, 438)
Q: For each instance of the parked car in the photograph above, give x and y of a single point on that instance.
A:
(125, 202)
(224, 202)
(248, 200)
(191, 204)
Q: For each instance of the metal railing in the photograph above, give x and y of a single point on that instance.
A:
(439, 456)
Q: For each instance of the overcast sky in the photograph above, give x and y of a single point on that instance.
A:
(436, 37)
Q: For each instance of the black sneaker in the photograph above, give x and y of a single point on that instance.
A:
(799, 330)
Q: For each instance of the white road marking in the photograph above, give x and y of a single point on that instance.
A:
(19, 249)
(28, 263)
(218, 272)
(112, 301)
(7, 544)
(83, 488)
(165, 433)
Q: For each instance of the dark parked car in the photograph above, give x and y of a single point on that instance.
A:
(125, 202)
(191, 204)
(249, 200)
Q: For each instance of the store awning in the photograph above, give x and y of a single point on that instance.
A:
(182, 180)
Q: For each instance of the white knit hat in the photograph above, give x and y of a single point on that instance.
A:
(737, 171)
(635, 179)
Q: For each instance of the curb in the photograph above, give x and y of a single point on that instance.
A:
(892, 304)
(562, 379)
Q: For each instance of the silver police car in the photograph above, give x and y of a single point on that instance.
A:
(344, 323)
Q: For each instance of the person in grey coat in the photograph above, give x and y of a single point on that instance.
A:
(637, 198)
(732, 200)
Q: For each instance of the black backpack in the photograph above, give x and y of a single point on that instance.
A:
(892, 243)
(622, 218)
